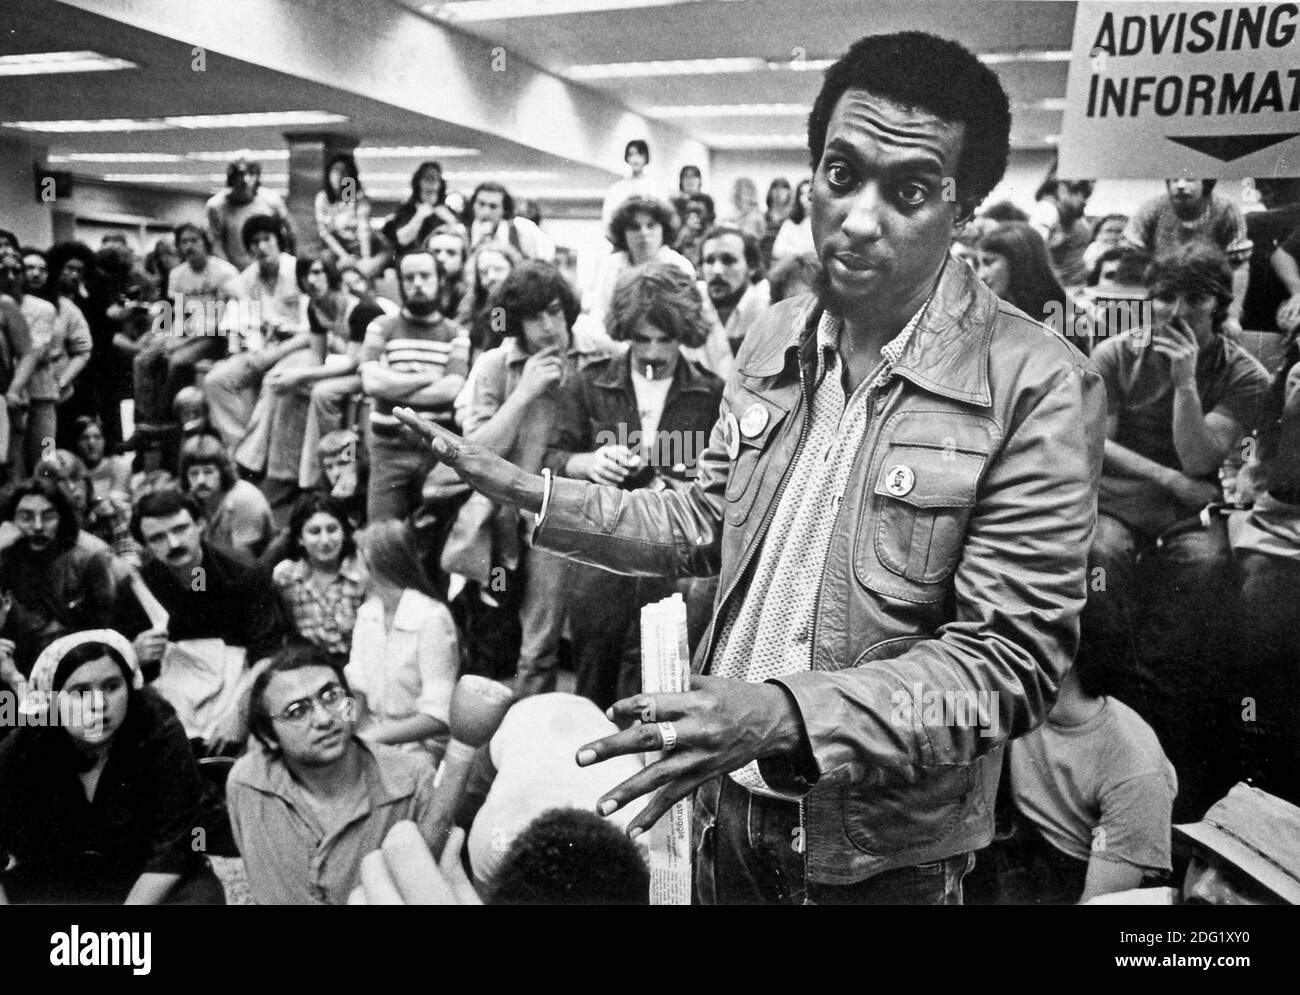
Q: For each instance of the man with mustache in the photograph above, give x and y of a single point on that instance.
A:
(238, 515)
(61, 578)
(900, 490)
(733, 301)
(209, 592)
(415, 358)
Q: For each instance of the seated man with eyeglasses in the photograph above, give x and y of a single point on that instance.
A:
(311, 799)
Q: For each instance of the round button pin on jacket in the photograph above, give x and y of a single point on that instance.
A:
(899, 480)
(754, 420)
(731, 435)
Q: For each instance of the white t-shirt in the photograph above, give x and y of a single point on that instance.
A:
(651, 396)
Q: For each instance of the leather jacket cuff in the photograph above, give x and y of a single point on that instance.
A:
(793, 773)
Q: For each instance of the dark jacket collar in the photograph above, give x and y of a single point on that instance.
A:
(947, 355)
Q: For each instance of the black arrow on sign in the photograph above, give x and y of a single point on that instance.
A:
(1225, 148)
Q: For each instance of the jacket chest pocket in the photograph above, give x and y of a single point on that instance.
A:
(915, 524)
(756, 427)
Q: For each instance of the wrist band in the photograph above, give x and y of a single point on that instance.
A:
(547, 484)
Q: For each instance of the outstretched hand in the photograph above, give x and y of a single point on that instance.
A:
(721, 724)
(485, 471)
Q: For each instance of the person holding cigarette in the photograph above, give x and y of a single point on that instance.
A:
(635, 421)
(899, 489)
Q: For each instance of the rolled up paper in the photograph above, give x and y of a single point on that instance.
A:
(665, 669)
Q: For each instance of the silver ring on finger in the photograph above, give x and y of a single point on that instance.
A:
(668, 733)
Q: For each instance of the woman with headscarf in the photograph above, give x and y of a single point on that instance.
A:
(101, 791)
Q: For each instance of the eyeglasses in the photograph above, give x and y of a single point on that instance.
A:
(333, 699)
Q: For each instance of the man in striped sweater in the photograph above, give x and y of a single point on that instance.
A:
(418, 359)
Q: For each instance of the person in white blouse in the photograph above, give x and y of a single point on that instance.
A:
(642, 230)
(636, 184)
(405, 648)
(795, 235)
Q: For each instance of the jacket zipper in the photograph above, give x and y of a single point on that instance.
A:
(744, 567)
(872, 398)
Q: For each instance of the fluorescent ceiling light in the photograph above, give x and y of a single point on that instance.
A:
(693, 67)
(665, 67)
(187, 179)
(414, 152)
(758, 141)
(182, 178)
(115, 157)
(72, 127)
(754, 64)
(502, 174)
(500, 10)
(49, 63)
(1025, 55)
(255, 120)
(803, 65)
(261, 119)
(239, 154)
(727, 110)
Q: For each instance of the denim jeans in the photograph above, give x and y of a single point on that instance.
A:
(752, 854)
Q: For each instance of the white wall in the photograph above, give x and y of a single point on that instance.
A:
(760, 166)
(20, 212)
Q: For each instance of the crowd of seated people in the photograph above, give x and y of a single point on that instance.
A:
(271, 556)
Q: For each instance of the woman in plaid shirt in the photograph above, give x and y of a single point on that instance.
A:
(320, 581)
